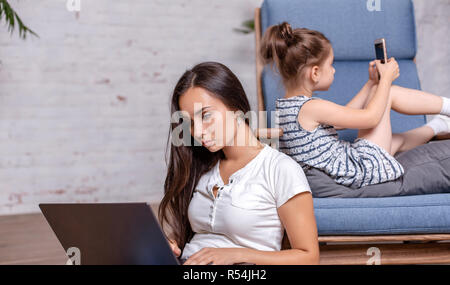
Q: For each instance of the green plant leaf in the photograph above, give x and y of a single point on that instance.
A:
(12, 19)
(247, 27)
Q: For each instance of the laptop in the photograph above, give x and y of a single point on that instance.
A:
(109, 233)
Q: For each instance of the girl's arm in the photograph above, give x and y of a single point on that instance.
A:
(326, 112)
(360, 99)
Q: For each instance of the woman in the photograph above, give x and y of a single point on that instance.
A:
(228, 200)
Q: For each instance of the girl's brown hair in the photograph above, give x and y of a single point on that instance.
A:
(293, 50)
(188, 163)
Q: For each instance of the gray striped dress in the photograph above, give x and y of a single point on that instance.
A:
(354, 164)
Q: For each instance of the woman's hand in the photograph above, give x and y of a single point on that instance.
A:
(389, 70)
(174, 246)
(373, 73)
(215, 256)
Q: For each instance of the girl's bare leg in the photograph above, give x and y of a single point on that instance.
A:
(415, 102)
(381, 134)
(405, 101)
(410, 139)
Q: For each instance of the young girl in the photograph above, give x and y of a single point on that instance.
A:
(304, 59)
(228, 202)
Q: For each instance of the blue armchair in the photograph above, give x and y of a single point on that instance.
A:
(414, 225)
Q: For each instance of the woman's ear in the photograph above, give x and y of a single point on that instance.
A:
(239, 117)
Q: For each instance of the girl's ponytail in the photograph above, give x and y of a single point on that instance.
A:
(276, 42)
(292, 50)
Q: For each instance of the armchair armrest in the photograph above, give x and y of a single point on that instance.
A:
(268, 133)
(441, 137)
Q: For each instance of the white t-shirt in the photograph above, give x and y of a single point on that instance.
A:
(244, 213)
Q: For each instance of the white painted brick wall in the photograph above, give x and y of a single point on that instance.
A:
(433, 54)
(84, 109)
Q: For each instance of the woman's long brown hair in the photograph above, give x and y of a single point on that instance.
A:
(186, 164)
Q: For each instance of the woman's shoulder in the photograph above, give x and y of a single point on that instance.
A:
(277, 159)
(285, 175)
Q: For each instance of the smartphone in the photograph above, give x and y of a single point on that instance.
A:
(380, 51)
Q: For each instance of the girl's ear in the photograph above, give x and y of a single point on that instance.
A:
(315, 74)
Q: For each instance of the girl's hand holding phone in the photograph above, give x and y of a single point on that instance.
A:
(373, 73)
(389, 70)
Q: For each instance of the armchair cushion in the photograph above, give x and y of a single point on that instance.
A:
(427, 171)
(419, 214)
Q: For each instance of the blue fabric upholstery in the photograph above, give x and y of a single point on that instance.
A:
(345, 87)
(352, 29)
(418, 214)
(349, 25)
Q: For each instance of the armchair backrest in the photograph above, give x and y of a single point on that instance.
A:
(351, 26)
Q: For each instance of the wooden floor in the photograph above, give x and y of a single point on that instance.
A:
(28, 239)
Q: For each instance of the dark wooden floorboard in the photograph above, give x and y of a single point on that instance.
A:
(28, 239)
